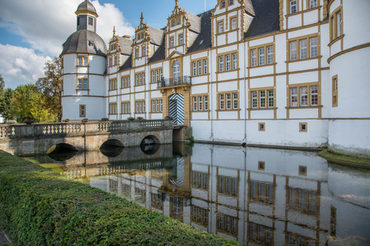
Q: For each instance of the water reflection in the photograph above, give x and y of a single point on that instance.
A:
(255, 196)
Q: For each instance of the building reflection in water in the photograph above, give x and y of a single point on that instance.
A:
(255, 196)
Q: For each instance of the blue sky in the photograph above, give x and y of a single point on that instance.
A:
(32, 32)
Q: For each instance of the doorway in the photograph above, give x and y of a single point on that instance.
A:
(176, 108)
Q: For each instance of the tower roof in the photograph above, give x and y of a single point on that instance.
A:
(86, 7)
(85, 41)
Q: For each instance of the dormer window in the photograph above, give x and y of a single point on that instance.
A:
(178, 20)
(172, 42)
(220, 27)
(313, 4)
(233, 23)
(144, 51)
(181, 39)
(223, 4)
(91, 21)
(137, 52)
(231, 2)
(173, 23)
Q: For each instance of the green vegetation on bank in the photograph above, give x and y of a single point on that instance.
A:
(40, 207)
(345, 160)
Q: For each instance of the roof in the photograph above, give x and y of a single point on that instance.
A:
(266, 18)
(156, 35)
(249, 7)
(204, 39)
(86, 6)
(85, 41)
(125, 43)
(195, 22)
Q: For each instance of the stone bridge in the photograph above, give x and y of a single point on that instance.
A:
(23, 140)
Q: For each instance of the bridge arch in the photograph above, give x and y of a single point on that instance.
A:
(61, 151)
(150, 145)
(112, 147)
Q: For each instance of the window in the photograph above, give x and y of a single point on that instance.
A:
(231, 2)
(140, 195)
(136, 52)
(335, 91)
(227, 185)
(223, 4)
(82, 110)
(227, 62)
(156, 75)
(172, 42)
(156, 201)
(200, 180)
(82, 84)
(116, 62)
(302, 200)
(261, 56)
(261, 192)
(140, 79)
(178, 21)
(307, 48)
(199, 67)
(227, 224)
(296, 239)
(205, 66)
(181, 39)
(176, 70)
(112, 84)
(336, 24)
(125, 107)
(125, 81)
(110, 61)
(220, 27)
(261, 165)
(233, 23)
(304, 95)
(265, 56)
(261, 234)
(194, 68)
(312, 4)
(200, 103)
(91, 21)
(139, 107)
(303, 126)
(228, 101)
(333, 221)
(157, 105)
(143, 51)
(112, 108)
(82, 61)
(176, 208)
(199, 215)
(302, 170)
(262, 98)
(293, 6)
(261, 126)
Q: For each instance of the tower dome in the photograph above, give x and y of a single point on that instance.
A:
(86, 7)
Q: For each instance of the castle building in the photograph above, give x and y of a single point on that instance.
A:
(290, 73)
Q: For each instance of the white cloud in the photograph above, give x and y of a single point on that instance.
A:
(46, 24)
(20, 65)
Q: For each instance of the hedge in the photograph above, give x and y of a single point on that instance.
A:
(40, 207)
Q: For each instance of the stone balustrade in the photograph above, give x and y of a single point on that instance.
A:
(18, 131)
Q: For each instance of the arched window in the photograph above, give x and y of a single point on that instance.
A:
(176, 71)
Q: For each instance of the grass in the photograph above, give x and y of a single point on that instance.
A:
(346, 160)
(40, 207)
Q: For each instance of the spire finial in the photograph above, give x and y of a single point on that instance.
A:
(114, 30)
(177, 3)
(141, 18)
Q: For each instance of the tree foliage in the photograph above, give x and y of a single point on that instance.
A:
(51, 86)
(27, 103)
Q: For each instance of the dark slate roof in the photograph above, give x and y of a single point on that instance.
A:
(86, 6)
(85, 41)
(266, 18)
(204, 40)
(127, 64)
(159, 54)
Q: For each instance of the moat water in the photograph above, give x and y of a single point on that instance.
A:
(252, 195)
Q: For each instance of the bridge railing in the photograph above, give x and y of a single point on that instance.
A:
(74, 128)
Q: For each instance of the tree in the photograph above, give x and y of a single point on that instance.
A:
(51, 86)
(27, 103)
(5, 96)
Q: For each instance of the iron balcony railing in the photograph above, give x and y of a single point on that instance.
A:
(169, 82)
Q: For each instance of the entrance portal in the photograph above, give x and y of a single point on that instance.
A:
(176, 108)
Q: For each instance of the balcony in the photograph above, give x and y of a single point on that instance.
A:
(174, 82)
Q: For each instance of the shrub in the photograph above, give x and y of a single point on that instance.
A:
(39, 207)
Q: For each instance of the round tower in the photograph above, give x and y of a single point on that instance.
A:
(84, 65)
(348, 88)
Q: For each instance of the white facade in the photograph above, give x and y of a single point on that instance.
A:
(301, 82)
